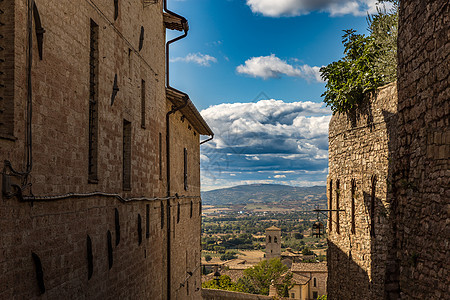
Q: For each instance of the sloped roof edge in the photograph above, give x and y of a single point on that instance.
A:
(190, 111)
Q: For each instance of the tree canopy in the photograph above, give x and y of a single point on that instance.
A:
(368, 63)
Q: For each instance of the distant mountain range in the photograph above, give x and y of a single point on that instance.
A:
(265, 193)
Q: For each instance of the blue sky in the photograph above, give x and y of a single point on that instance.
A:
(251, 68)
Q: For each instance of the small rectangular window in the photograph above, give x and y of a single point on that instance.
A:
(93, 103)
(126, 155)
(143, 103)
(185, 169)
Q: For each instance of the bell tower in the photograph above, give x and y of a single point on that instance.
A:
(273, 242)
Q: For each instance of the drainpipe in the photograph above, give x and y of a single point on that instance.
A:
(205, 141)
(172, 111)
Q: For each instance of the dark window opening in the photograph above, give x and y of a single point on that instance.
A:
(116, 9)
(185, 173)
(337, 207)
(330, 207)
(162, 215)
(315, 295)
(192, 209)
(93, 103)
(126, 155)
(160, 156)
(275, 240)
(143, 103)
(147, 221)
(372, 206)
(314, 282)
(353, 228)
(270, 239)
(178, 212)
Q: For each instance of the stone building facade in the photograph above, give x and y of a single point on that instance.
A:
(360, 227)
(100, 181)
(389, 237)
(422, 162)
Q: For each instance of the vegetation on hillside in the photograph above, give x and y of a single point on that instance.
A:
(368, 63)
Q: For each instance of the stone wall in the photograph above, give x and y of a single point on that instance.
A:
(208, 294)
(128, 241)
(422, 162)
(360, 235)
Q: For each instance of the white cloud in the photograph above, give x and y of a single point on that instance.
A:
(279, 176)
(273, 67)
(286, 141)
(198, 58)
(278, 8)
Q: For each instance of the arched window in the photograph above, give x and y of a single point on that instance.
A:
(270, 239)
(275, 239)
(178, 212)
(314, 282)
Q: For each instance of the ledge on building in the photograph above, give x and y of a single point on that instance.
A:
(189, 111)
(209, 294)
(175, 23)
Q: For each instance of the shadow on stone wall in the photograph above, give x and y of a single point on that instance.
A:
(351, 281)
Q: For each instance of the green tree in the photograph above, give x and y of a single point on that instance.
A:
(222, 283)
(228, 255)
(368, 62)
(257, 280)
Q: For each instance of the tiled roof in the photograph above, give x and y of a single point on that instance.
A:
(296, 278)
(309, 267)
(273, 228)
(190, 111)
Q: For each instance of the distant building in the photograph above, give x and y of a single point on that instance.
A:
(273, 242)
(310, 281)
